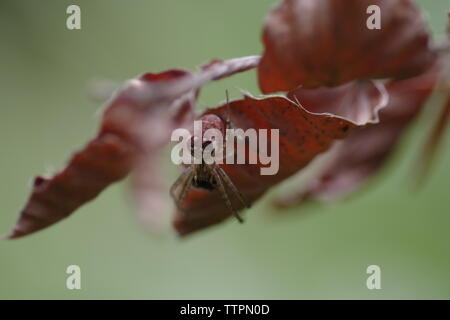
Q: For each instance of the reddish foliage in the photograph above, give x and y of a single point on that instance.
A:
(103, 161)
(106, 159)
(135, 126)
(310, 46)
(303, 135)
(326, 43)
(365, 150)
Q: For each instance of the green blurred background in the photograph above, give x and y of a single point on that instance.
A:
(312, 252)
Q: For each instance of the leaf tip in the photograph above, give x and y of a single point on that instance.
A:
(10, 236)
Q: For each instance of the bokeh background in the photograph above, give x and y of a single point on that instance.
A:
(311, 252)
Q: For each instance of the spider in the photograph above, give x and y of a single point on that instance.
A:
(208, 176)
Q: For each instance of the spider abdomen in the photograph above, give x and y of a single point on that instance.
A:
(203, 178)
(202, 184)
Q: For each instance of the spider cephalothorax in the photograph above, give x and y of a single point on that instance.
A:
(206, 174)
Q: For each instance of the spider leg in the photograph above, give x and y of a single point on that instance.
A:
(180, 180)
(187, 182)
(187, 185)
(224, 194)
(231, 185)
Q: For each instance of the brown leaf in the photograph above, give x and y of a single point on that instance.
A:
(365, 150)
(136, 124)
(327, 43)
(106, 159)
(303, 135)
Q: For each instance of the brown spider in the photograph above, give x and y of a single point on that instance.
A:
(208, 176)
